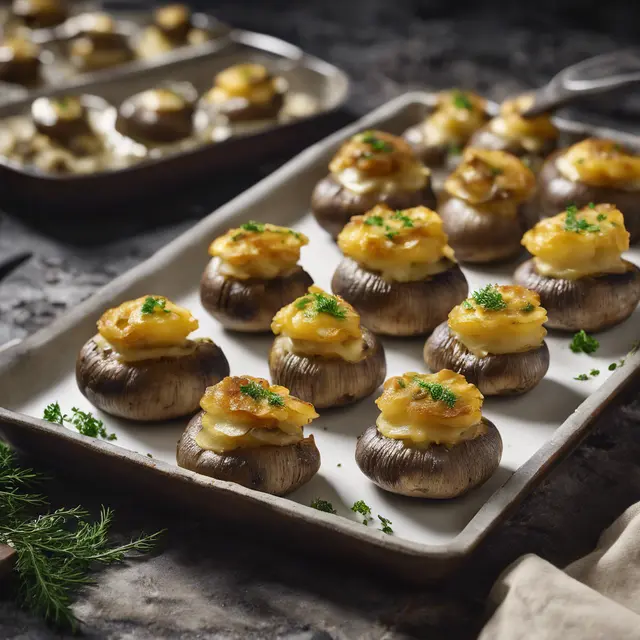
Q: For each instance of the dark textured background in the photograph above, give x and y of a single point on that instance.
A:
(210, 583)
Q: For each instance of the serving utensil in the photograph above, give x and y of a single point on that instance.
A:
(600, 74)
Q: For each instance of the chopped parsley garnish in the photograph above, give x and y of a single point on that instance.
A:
(84, 421)
(602, 216)
(361, 507)
(406, 220)
(528, 308)
(594, 372)
(374, 221)
(438, 392)
(582, 377)
(489, 298)
(466, 304)
(454, 149)
(252, 225)
(390, 234)
(591, 205)
(461, 101)
(386, 524)
(496, 171)
(258, 393)
(151, 304)
(613, 366)
(583, 343)
(315, 303)
(376, 143)
(401, 383)
(572, 223)
(323, 505)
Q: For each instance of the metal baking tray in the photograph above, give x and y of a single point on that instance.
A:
(325, 85)
(431, 537)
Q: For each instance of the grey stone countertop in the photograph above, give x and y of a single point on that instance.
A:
(212, 583)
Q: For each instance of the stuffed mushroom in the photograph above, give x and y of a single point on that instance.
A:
(577, 268)
(486, 206)
(245, 93)
(63, 119)
(531, 139)
(439, 138)
(40, 14)
(593, 170)
(322, 353)
(495, 339)
(97, 44)
(251, 433)
(430, 439)
(20, 61)
(253, 273)
(371, 168)
(141, 364)
(398, 271)
(156, 116)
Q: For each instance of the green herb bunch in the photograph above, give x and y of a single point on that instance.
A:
(315, 303)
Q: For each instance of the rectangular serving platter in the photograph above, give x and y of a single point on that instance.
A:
(431, 537)
(325, 85)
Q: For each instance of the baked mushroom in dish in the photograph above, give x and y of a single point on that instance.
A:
(97, 44)
(244, 93)
(430, 439)
(495, 339)
(251, 433)
(39, 14)
(531, 139)
(577, 268)
(322, 353)
(439, 138)
(593, 170)
(20, 61)
(486, 205)
(398, 271)
(61, 118)
(141, 364)
(372, 167)
(253, 273)
(156, 116)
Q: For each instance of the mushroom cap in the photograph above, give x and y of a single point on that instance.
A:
(149, 390)
(329, 382)
(479, 237)
(592, 303)
(249, 305)
(333, 204)
(271, 469)
(556, 193)
(399, 308)
(495, 375)
(242, 110)
(435, 471)
(49, 122)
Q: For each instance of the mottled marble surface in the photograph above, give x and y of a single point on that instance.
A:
(212, 584)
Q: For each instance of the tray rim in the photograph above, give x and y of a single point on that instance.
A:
(497, 507)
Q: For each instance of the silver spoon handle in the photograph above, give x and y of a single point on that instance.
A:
(592, 76)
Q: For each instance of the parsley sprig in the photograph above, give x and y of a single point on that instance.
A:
(323, 505)
(582, 342)
(84, 421)
(489, 298)
(376, 143)
(361, 507)
(576, 225)
(259, 393)
(315, 303)
(461, 101)
(150, 305)
(438, 392)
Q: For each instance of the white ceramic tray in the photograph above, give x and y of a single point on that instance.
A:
(430, 536)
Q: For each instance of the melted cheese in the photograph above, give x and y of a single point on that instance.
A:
(600, 163)
(236, 419)
(49, 111)
(515, 329)
(403, 246)
(160, 100)
(379, 162)
(492, 179)
(258, 251)
(571, 254)
(410, 412)
(151, 353)
(532, 133)
(313, 332)
(250, 82)
(172, 16)
(127, 328)
(18, 49)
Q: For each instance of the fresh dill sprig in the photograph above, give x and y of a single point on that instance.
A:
(489, 298)
(315, 303)
(84, 421)
(438, 392)
(323, 505)
(461, 101)
(150, 305)
(572, 223)
(386, 524)
(582, 342)
(259, 393)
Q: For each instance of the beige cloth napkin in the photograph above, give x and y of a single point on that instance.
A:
(596, 597)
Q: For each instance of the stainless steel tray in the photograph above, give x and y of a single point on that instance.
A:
(431, 537)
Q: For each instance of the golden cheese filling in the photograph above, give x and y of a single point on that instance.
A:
(147, 328)
(492, 181)
(424, 409)
(579, 243)
(403, 246)
(458, 115)
(99, 23)
(249, 81)
(319, 324)
(172, 16)
(258, 250)
(532, 133)
(242, 412)
(375, 161)
(499, 319)
(160, 99)
(18, 49)
(600, 163)
(48, 111)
